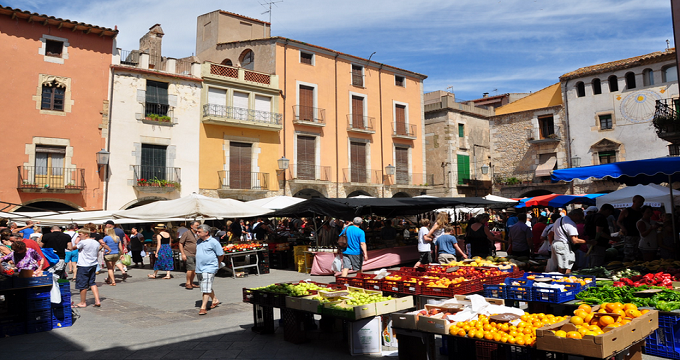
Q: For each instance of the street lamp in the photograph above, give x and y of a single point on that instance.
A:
(485, 169)
(103, 158)
(283, 166)
(390, 170)
(575, 161)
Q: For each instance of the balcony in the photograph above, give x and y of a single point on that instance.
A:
(308, 172)
(158, 114)
(243, 180)
(666, 120)
(545, 135)
(362, 176)
(403, 131)
(33, 179)
(406, 179)
(157, 179)
(360, 124)
(146, 61)
(306, 115)
(241, 117)
(239, 75)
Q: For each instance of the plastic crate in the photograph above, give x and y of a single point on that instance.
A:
(495, 291)
(38, 304)
(437, 291)
(372, 284)
(5, 282)
(556, 295)
(519, 292)
(394, 286)
(515, 352)
(12, 329)
(273, 299)
(247, 295)
(592, 282)
(39, 315)
(665, 341)
(411, 288)
(33, 327)
(342, 280)
(485, 350)
(61, 317)
(32, 281)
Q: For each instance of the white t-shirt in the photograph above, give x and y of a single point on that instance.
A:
(569, 227)
(547, 230)
(88, 250)
(422, 245)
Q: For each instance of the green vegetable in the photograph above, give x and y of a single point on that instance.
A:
(666, 300)
(597, 272)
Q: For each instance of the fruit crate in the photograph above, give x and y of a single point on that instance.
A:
(39, 315)
(61, 317)
(523, 292)
(592, 283)
(371, 283)
(408, 270)
(411, 288)
(273, 299)
(556, 295)
(12, 329)
(394, 286)
(474, 286)
(437, 291)
(497, 291)
(248, 295)
(343, 280)
(32, 281)
(665, 341)
(33, 327)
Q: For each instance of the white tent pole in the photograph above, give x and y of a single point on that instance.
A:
(675, 231)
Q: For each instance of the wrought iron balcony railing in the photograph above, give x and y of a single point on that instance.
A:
(241, 114)
(302, 171)
(309, 115)
(360, 123)
(404, 178)
(157, 176)
(362, 176)
(243, 180)
(400, 129)
(33, 178)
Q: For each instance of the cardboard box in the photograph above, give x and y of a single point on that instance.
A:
(408, 320)
(385, 307)
(365, 336)
(464, 300)
(404, 303)
(293, 302)
(350, 312)
(310, 305)
(601, 346)
(434, 324)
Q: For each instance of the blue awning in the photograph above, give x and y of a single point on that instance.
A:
(564, 200)
(634, 172)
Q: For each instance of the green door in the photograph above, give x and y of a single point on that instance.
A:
(463, 169)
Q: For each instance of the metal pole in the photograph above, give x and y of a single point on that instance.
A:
(675, 231)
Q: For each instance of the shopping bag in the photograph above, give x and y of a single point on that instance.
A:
(545, 248)
(126, 260)
(51, 257)
(55, 293)
(337, 263)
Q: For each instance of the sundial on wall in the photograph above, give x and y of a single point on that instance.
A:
(638, 106)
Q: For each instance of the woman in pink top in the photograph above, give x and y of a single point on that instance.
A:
(23, 258)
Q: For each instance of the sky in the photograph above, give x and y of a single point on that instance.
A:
(466, 46)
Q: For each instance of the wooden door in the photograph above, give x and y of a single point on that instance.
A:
(400, 117)
(239, 165)
(358, 112)
(401, 162)
(306, 111)
(306, 157)
(358, 162)
(49, 166)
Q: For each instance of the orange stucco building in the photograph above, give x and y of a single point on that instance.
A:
(54, 106)
(349, 125)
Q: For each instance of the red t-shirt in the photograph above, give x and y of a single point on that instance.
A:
(536, 232)
(34, 245)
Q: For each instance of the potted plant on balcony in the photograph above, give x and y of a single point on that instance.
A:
(71, 185)
(552, 136)
(29, 185)
(142, 182)
(158, 118)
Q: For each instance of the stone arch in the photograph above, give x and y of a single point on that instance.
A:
(536, 192)
(227, 62)
(49, 204)
(247, 59)
(142, 201)
(357, 193)
(307, 193)
(401, 194)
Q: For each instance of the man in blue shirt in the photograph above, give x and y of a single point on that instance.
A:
(447, 245)
(27, 230)
(352, 257)
(209, 255)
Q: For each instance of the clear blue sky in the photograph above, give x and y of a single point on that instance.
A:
(475, 46)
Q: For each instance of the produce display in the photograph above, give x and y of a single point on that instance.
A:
(669, 266)
(564, 279)
(664, 300)
(356, 298)
(500, 262)
(659, 279)
(459, 276)
(232, 248)
(521, 332)
(599, 271)
(628, 273)
(608, 317)
(301, 289)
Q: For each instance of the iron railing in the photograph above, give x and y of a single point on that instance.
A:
(51, 178)
(403, 129)
(362, 176)
(243, 180)
(666, 119)
(156, 109)
(128, 57)
(302, 171)
(242, 114)
(157, 176)
(544, 134)
(404, 178)
(308, 114)
(359, 123)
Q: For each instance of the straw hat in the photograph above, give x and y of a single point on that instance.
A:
(160, 227)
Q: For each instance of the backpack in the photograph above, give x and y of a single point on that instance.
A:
(342, 241)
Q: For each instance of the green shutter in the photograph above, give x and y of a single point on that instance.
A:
(461, 130)
(463, 169)
(156, 92)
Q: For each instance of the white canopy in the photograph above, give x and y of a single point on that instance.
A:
(498, 198)
(655, 196)
(80, 217)
(191, 207)
(275, 202)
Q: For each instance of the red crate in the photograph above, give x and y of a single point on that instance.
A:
(411, 288)
(247, 295)
(438, 291)
(407, 269)
(372, 284)
(343, 280)
(394, 286)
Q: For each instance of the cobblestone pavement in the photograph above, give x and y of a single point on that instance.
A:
(145, 318)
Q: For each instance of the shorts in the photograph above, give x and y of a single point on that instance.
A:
(191, 263)
(71, 256)
(352, 262)
(86, 277)
(206, 280)
(562, 255)
(112, 257)
(445, 258)
(425, 257)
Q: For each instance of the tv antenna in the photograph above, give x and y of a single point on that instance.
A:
(268, 6)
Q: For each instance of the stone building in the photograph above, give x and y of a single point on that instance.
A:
(528, 141)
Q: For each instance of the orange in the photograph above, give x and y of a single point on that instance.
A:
(466, 327)
(606, 320)
(585, 307)
(583, 331)
(472, 333)
(602, 311)
(644, 311)
(497, 337)
(633, 313)
(537, 324)
(624, 322)
(603, 306)
(580, 313)
(461, 332)
(520, 341)
(560, 333)
(577, 320)
(486, 327)
(574, 335)
(479, 335)
(524, 317)
(504, 327)
(528, 331)
(591, 333)
(629, 306)
(593, 328)
(513, 333)
(511, 340)
(504, 339)
(589, 318)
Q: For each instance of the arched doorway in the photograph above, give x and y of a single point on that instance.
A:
(227, 62)
(358, 193)
(46, 205)
(142, 201)
(401, 194)
(537, 192)
(308, 194)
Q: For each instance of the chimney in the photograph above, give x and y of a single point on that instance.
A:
(150, 43)
(485, 95)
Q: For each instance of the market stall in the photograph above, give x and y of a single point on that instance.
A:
(377, 259)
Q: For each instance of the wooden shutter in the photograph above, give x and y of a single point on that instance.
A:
(358, 112)
(463, 169)
(306, 111)
(239, 165)
(400, 116)
(153, 162)
(401, 162)
(306, 157)
(357, 76)
(358, 162)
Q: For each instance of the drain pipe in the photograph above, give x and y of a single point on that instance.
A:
(337, 153)
(567, 130)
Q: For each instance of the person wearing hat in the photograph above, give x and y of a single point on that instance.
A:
(164, 260)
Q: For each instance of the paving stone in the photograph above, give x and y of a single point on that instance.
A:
(220, 354)
(212, 345)
(184, 354)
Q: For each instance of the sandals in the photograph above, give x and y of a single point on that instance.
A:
(125, 276)
(108, 281)
(203, 312)
(99, 305)
(112, 284)
(152, 276)
(215, 304)
(167, 277)
(79, 306)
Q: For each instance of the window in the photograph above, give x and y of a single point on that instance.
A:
(461, 130)
(239, 165)
(358, 121)
(647, 77)
(49, 165)
(306, 101)
(227, 62)
(358, 169)
(670, 74)
(613, 83)
(630, 80)
(463, 169)
(153, 162)
(399, 81)
(53, 96)
(547, 126)
(240, 104)
(580, 89)
(156, 98)
(358, 75)
(606, 122)
(401, 127)
(306, 157)
(306, 58)
(597, 87)
(247, 60)
(401, 164)
(607, 157)
(54, 48)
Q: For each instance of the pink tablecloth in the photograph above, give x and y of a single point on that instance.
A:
(377, 259)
